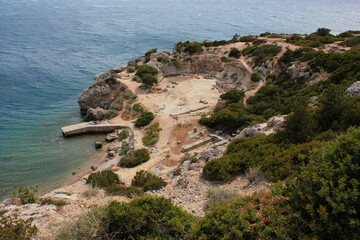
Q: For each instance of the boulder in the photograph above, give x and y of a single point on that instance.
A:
(354, 90)
(98, 145)
(101, 75)
(95, 114)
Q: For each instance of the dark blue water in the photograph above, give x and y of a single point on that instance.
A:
(50, 49)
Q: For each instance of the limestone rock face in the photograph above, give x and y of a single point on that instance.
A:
(95, 114)
(95, 97)
(273, 124)
(353, 90)
(192, 65)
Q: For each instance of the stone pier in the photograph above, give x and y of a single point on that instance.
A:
(89, 127)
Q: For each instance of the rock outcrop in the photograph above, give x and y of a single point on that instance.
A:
(264, 129)
(100, 96)
(353, 90)
(95, 114)
(197, 64)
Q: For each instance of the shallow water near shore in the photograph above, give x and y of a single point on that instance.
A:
(50, 49)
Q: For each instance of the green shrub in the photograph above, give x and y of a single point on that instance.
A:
(124, 148)
(151, 135)
(149, 218)
(111, 81)
(130, 69)
(103, 179)
(147, 181)
(189, 47)
(259, 216)
(149, 80)
(247, 39)
(225, 59)
(131, 63)
(144, 119)
(325, 194)
(142, 70)
(234, 52)
(48, 201)
(233, 95)
(136, 79)
(255, 77)
(25, 195)
(111, 113)
(323, 31)
(13, 228)
(134, 158)
(138, 108)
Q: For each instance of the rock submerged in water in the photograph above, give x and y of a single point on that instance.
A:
(98, 145)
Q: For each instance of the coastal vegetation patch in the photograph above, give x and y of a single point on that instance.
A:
(134, 158)
(152, 133)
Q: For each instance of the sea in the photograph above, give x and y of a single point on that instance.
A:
(50, 50)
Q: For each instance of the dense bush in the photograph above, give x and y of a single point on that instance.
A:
(149, 80)
(123, 135)
(247, 39)
(144, 119)
(147, 217)
(49, 201)
(151, 135)
(234, 52)
(130, 69)
(142, 70)
(147, 181)
(138, 108)
(325, 194)
(134, 158)
(259, 216)
(231, 118)
(278, 161)
(233, 95)
(103, 179)
(189, 47)
(13, 228)
(255, 77)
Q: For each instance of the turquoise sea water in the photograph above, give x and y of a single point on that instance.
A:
(50, 49)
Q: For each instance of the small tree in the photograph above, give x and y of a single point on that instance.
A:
(255, 77)
(149, 80)
(234, 52)
(323, 31)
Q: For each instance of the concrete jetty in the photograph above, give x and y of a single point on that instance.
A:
(89, 127)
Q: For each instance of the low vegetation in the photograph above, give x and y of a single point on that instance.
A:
(152, 134)
(146, 74)
(25, 195)
(147, 181)
(134, 158)
(103, 179)
(13, 228)
(144, 119)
